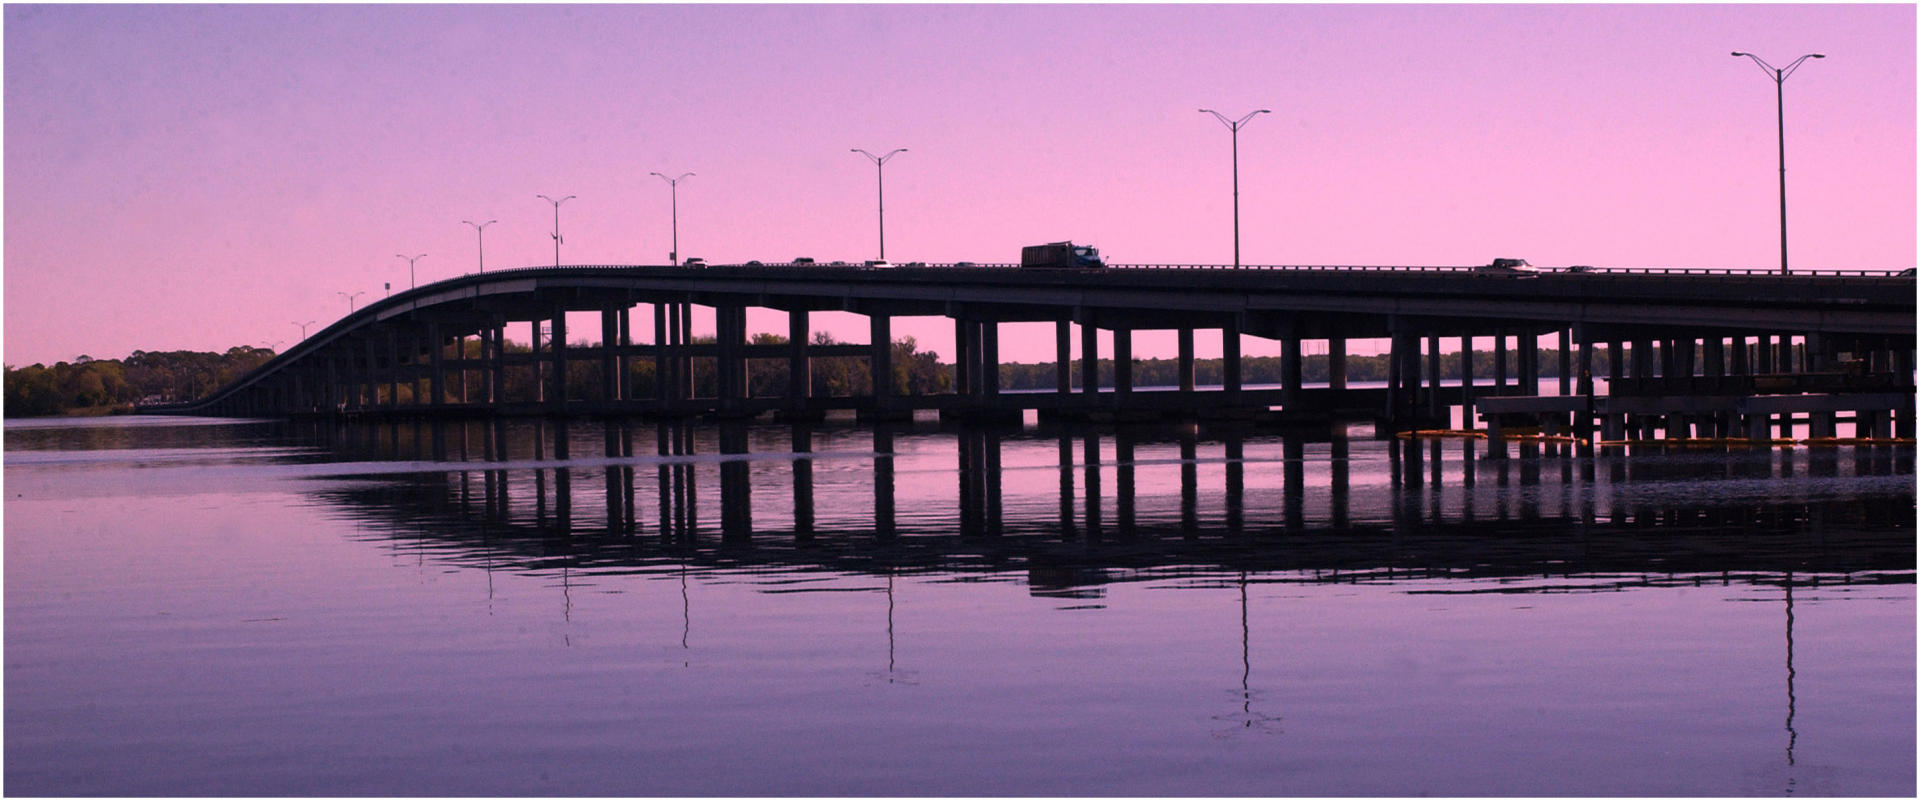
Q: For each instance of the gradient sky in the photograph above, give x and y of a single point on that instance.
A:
(183, 177)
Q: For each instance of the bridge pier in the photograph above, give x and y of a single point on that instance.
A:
(1063, 357)
(799, 366)
(1185, 368)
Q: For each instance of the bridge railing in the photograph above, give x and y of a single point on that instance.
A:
(1733, 272)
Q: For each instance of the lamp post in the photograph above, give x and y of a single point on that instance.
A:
(1234, 126)
(303, 328)
(556, 225)
(673, 192)
(350, 299)
(410, 261)
(879, 165)
(480, 234)
(1779, 77)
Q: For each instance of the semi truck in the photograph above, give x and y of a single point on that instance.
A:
(1060, 255)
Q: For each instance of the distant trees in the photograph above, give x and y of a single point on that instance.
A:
(102, 385)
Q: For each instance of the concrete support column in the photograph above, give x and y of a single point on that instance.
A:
(558, 396)
(330, 388)
(1466, 382)
(1500, 363)
(437, 377)
(393, 367)
(734, 364)
(976, 359)
(1230, 359)
(1089, 359)
(1713, 357)
(1186, 360)
(609, 355)
(724, 356)
(1063, 356)
(1290, 372)
(624, 361)
(355, 390)
(990, 358)
(1583, 365)
(416, 368)
(1642, 359)
(662, 362)
(683, 371)
(963, 357)
(1566, 362)
(1122, 362)
(1336, 363)
(799, 367)
(1434, 405)
(498, 384)
(1529, 367)
(1396, 362)
(881, 360)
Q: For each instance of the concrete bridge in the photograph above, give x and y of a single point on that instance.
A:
(1826, 334)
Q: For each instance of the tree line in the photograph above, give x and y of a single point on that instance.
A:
(98, 386)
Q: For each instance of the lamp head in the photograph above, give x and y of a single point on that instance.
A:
(1738, 53)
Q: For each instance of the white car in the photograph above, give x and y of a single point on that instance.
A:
(879, 264)
(1515, 267)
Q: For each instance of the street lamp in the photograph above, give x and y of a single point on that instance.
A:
(879, 165)
(303, 328)
(480, 233)
(410, 261)
(1779, 77)
(1234, 126)
(673, 190)
(350, 299)
(556, 225)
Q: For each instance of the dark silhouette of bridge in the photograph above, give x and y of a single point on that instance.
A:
(1688, 352)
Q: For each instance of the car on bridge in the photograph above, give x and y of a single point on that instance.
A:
(694, 262)
(802, 261)
(878, 264)
(1518, 268)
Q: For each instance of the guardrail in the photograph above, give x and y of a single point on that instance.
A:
(1738, 272)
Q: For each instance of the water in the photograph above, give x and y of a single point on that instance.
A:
(204, 607)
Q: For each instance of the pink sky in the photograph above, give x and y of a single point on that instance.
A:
(202, 177)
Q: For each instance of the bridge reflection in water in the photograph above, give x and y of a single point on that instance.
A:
(1079, 506)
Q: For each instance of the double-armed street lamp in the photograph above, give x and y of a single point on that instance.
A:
(480, 233)
(556, 225)
(410, 261)
(350, 299)
(673, 190)
(303, 328)
(1779, 77)
(880, 164)
(1234, 126)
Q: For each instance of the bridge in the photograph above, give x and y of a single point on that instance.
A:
(1686, 351)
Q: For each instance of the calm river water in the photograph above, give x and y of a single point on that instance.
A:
(213, 607)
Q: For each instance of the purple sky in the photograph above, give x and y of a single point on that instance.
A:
(202, 177)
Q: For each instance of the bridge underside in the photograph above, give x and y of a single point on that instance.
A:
(443, 349)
